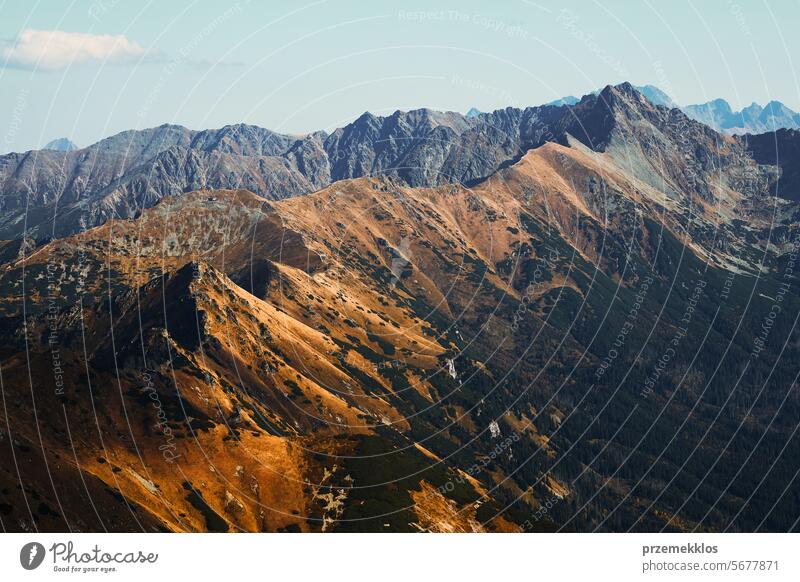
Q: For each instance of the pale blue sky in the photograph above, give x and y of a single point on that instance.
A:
(299, 66)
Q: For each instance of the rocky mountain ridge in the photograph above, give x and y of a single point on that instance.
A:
(50, 194)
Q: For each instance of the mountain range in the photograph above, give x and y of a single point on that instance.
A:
(571, 317)
(752, 119)
(50, 193)
(718, 113)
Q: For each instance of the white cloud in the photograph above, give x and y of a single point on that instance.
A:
(56, 49)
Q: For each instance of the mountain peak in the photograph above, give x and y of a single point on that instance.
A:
(615, 95)
(61, 144)
(656, 96)
(623, 97)
(367, 117)
(624, 87)
(777, 108)
(568, 100)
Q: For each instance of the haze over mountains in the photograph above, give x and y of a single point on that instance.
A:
(568, 317)
(752, 119)
(719, 115)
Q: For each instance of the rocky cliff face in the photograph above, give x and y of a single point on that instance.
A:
(780, 151)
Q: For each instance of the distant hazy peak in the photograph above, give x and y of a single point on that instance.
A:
(752, 119)
(61, 144)
(656, 96)
(568, 100)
